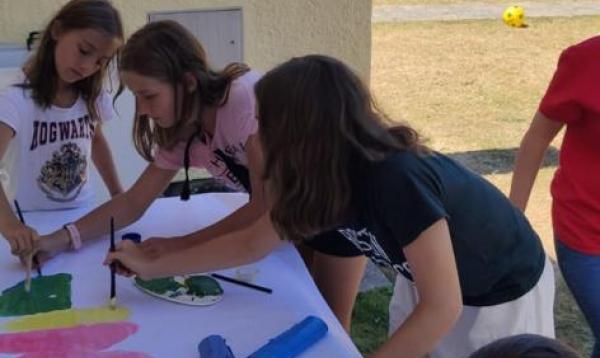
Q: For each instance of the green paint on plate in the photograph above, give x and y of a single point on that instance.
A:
(203, 286)
(159, 285)
(198, 286)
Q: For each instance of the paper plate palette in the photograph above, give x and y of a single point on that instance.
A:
(194, 290)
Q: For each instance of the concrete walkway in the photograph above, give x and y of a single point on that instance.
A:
(476, 11)
(373, 278)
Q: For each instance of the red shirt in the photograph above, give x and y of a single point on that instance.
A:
(573, 97)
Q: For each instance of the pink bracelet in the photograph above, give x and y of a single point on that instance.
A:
(73, 236)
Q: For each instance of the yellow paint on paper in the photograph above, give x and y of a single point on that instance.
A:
(67, 318)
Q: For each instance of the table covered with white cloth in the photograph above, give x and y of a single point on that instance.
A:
(245, 318)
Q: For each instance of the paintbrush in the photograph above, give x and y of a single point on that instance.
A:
(242, 283)
(113, 267)
(35, 260)
(28, 276)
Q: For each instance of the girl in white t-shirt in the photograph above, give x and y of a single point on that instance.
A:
(187, 114)
(51, 117)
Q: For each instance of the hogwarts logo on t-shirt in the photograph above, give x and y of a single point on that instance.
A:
(63, 176)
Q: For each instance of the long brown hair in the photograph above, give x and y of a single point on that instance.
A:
(166, 51)
(40, 69)
(317, 123)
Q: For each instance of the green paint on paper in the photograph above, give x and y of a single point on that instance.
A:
(203, 286)
(67, 318)
(48, 293)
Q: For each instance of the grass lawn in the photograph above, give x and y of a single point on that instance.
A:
(370, 319)
(471, 88)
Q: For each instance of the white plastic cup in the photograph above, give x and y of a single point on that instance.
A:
(246, 273)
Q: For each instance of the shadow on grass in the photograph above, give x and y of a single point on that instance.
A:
(497, 161)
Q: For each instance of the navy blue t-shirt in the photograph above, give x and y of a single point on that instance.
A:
(498, 255)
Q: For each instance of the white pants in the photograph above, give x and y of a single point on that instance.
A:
(478, 326)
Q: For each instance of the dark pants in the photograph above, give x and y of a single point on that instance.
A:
(582, 274)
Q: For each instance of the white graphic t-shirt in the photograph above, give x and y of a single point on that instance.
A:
(50, 154)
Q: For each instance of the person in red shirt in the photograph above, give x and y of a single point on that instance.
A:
(572, 100)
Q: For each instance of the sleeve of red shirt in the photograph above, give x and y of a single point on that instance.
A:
(571, 85)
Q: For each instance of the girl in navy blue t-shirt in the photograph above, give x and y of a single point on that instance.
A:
(471, 268)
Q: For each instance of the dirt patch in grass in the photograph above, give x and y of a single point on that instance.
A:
(469, 85)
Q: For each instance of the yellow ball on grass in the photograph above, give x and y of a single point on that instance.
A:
(514, 16)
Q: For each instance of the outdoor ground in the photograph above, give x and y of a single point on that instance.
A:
(446, 2)
(471, 88)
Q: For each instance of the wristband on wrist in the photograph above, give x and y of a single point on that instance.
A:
(74, 236)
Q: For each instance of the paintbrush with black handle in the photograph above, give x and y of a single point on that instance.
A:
(113, 267)
(34, 258)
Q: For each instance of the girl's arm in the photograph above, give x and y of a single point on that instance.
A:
(125, 208)
(238, 220)
(232, 249)
(102, 158)
(433, 267)
(529, 158)
(21, 238)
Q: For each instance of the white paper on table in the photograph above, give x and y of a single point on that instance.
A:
(246, 318)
